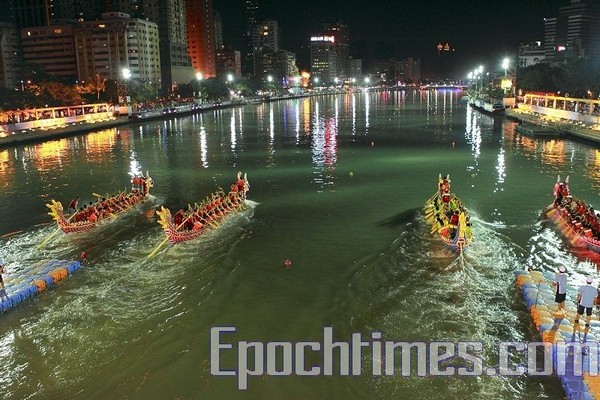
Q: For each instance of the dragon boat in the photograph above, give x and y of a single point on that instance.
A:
(193, 222)
(448, 218)
(576, 220)
(103, 210)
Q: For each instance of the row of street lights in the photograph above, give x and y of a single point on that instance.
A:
(478, 72)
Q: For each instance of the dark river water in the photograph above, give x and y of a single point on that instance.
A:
(337, 183)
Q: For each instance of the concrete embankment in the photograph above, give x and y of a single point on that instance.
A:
(536, 126)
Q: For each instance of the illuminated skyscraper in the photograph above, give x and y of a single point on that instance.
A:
(252, 18)
(323, 58)
(201, 36)
(342, 46)
(575, 33)
(175, 64)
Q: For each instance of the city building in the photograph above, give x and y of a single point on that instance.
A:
(10, 58)
(530, 54)
(356, 68)
(218, 32)
(62, 11)
(52, 48)
(265, 44)
(341, 36)
(117, 41)
(29, 13)
(229, 61)
(175, 64)
(575, 33)
(252, 18)
(201, 36)
(411, 70)
(389, 71)
(323, 59)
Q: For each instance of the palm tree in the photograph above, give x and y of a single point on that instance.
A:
(98, 84)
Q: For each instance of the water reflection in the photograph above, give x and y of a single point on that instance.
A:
(233, 132)
(203, 148)
(473, 136)
(324, 152)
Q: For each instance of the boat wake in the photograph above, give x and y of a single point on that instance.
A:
(416, 289)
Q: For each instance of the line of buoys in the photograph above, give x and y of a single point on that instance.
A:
(558, 331)
(22, 285)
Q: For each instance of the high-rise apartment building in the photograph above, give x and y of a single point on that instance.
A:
(170, 16)
(323, 59)
(117, 41)
(575, 33)
(549, 38)
(229, 61)
(411, 70)
(30, 13)
(252, 18)
(10, 58)
(341, 34)
(356, 68)
(218, 32)
(201, 36)
(52, 48)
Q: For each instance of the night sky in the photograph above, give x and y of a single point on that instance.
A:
(481, 31)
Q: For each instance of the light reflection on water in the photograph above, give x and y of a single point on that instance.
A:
(362, 260)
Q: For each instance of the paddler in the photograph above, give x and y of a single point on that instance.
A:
(73, 205)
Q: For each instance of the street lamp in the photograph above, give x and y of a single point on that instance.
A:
(229, 78)
(126, 74)
(505, 64)
(367, 80)
(269, 79)
(316, 80)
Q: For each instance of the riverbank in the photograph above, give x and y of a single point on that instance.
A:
(561, 128)
(59, 131)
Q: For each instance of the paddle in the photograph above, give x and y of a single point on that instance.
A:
(167, 239)
(53, 234)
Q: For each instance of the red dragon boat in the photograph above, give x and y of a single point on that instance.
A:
(104, 209)
(576, 219)
(189, 224)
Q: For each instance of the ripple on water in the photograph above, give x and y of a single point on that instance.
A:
(418, 291)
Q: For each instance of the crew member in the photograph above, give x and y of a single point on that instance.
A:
(73, 205)
(585, 302)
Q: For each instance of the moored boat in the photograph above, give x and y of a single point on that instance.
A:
(576, 220)
(189, 224)
(448, 218)
(103, 210)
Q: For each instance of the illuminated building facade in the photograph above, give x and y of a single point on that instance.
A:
(106, 47)
(201, 36)
(575, 33)
(52, 48)
(530, 54)
(342, 46)
(175, 64)
(229, 62)
(323, 58)
(252, 18)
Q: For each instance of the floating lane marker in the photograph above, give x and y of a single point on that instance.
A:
(558, 331)
(23, 285)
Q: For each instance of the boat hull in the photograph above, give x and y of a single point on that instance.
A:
(455, 236)
(571, 229)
